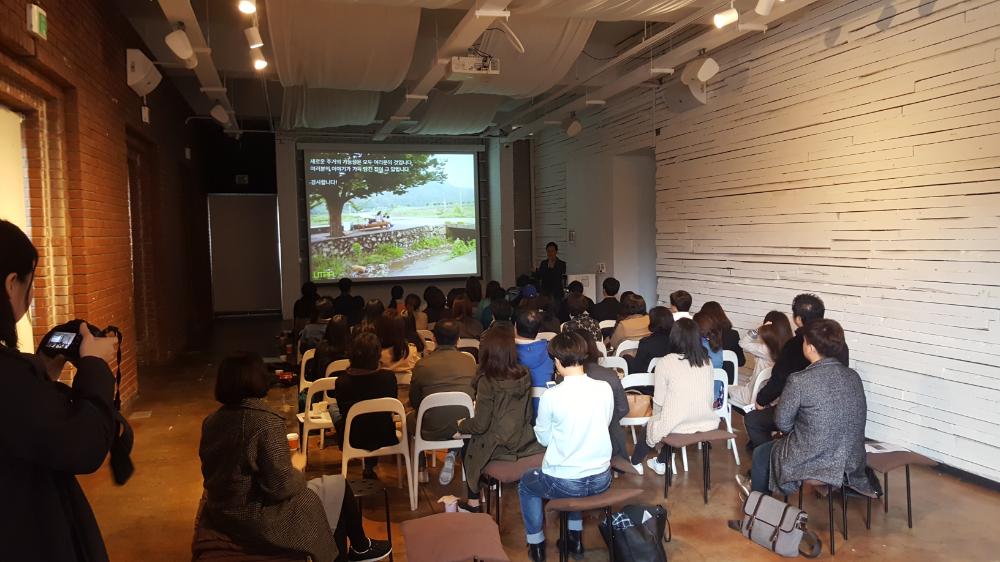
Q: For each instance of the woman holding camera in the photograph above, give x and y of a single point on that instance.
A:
(49, 432)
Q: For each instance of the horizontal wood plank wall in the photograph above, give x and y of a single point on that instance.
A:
(854, 152)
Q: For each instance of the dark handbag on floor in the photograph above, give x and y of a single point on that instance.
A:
(639, 532)
(777, 526)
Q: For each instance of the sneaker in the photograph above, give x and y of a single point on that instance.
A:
(658, 467)
(464, 507)
(448, 470)
(744, 485)
(422, 477)
(377, 550)
(638, 468)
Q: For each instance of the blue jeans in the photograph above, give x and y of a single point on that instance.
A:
(536, 486)
(760, 468)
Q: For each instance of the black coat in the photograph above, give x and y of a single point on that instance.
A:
(650, 347)
(551, 278)
(790, 360)
(370, 431)
(731, 342)
(51, 432)
(607, 309)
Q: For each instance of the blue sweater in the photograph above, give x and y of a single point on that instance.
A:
(535, 356)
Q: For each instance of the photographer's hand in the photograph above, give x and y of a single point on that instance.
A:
(53, 365)
(102, 348)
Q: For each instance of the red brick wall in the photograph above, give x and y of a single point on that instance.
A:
(82, 119)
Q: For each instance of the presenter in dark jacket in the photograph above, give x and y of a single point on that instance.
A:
(551, 273)
(760, 422)
(50, 431)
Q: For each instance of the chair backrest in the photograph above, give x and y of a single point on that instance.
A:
(720, 396)
(547, 336)
(467, 342)
(605, 324)
(562, 327)
(470, 355)
(306, 357)
(441, 399)
(602, 348)
(375, 405)
(637, 379)
(426, 335)
(614, 363)
(729, 356)
(538, 391)
(762, 377)
(337, 366)
(318, 387)
(652, 364)
(627, 345)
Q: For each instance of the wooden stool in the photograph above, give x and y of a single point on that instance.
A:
(887, 462)
(209, 544)
(679, 440)
(367, 487)
(824, 489)
(602, 501)
(453, 537)
(498, 473)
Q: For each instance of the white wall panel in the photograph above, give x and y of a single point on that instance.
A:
(852, 151)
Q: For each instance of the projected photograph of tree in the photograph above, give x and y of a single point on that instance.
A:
(386, 215)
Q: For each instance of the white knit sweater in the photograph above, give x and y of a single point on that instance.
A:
(682, 399)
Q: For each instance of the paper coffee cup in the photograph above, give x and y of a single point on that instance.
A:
(293, 441)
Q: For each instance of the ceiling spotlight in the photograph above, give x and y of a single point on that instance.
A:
(572, 126)
(248, 6)
(259, 63)
(722, 19)
(180, 45)
(253, 37)
(764, 7)
(699, 70)
(219, 113)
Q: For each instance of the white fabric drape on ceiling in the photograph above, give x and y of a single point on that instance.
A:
(321, 44)
(551, 46)
(448, 114)
(604, 10)
(429, 4)
(317, 108)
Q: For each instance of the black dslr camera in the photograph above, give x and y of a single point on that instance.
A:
(65, 339)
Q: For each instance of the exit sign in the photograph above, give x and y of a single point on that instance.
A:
(38, 22)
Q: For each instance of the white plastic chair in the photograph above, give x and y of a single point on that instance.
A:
(470, 355)
(762, 378)
(627, 345)
(729, 356)
(307, 423)
(426, 335)
(547, 336)
(725, 411)
(467, 342)
(652, 364)
(562, 327)
(617, 363)
(337, 366)
(632, 381)
(602, 348)
(436, 400)
(306, 357)
(380, 405)
(603, 324)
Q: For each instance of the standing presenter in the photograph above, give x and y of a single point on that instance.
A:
(551, 273)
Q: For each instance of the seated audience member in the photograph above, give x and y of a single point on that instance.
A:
(374, 310)
(333, 347)
(609, 307)
(365, 380)
(550, 322)
(462, 311)
(595, 371)
(503, 314)
(493, 291)
(575, 287)
(572, 422)
(528, 298)
(446, 369)
(711, 338)
(454, 294)
(822, 414)
(730, 339)
(306, 305)
(436, 308)
(412, 306)
(579, 318)
(680, 304)
(474, 292)
(396, 299)
(760, 423)
(635, 324)
(313, 332)
(501, 427)
(682, 394)
(398, 354)
(656, 344)
(412, 337)
(254, 507)
(765, 346)
(348, 305)
(532, 353)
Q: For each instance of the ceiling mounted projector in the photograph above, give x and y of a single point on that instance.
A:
(140, 73)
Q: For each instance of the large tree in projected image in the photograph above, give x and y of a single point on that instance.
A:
(423, 168)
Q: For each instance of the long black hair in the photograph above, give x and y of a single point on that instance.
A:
(685, 340)
(19, 257)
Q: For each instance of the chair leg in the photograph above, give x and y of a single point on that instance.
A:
(833, 531)
(802, 490)
(634, 439)
(843, 508)
(909, 502)
(563, 527)
(885, 492)
(611, 535)
(388, 521)
(706, 452)
(499, 501)
(684, 458)
(667, 474)
(868, 514)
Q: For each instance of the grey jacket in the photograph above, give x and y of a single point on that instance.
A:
(445, 370)
(253, 492)
(823, 412)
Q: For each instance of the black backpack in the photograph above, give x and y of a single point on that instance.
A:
(634, 539)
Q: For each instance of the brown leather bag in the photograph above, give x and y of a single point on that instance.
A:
(639, 405)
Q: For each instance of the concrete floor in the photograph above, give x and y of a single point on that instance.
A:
(151, 518)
